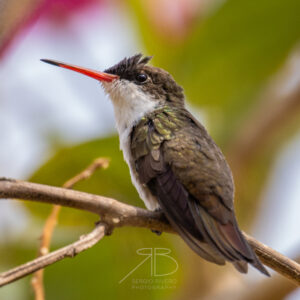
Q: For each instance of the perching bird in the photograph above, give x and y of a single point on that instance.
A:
(174, 164)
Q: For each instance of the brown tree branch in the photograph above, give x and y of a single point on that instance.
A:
(85, 242)
(273, 259)
(50, 224)
(117, 214)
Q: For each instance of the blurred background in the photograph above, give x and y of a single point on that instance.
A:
(239, 63)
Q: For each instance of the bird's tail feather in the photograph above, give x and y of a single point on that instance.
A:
(228, 240)
(211, 239)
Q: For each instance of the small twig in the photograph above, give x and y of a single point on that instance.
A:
(37, 280)
(38, 277)
(85, 242)
(117, 214)
(100, 162)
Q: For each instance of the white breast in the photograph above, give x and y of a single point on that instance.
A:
(130, 105)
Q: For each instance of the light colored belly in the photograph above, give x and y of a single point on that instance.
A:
(143, 191)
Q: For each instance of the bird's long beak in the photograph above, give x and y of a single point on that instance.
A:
(101, 76)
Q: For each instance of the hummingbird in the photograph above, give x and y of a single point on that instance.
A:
(174, 164)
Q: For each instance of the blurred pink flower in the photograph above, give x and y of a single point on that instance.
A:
(15, 20)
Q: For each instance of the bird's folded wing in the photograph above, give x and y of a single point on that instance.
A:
(187, 181)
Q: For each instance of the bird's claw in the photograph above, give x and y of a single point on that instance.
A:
(157, 232)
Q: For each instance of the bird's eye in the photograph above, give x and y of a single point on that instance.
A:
(141, 77)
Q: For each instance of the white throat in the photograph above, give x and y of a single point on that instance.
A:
(130, 103)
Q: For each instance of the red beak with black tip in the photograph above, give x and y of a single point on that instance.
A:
(101, 76)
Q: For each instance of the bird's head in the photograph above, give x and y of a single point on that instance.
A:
(134, 87)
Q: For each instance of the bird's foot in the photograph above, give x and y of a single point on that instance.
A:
(157, 232)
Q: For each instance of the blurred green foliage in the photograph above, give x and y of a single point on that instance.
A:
(228, 57)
